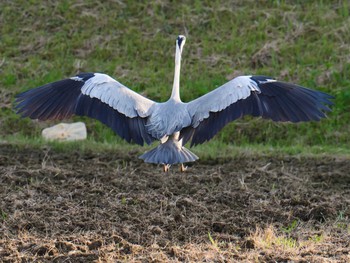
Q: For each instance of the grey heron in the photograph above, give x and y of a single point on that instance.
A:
(138, 119)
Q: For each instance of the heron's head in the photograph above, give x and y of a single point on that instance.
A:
(180, 42)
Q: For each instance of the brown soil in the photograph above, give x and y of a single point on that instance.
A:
(94, 207)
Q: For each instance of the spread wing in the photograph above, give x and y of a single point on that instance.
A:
(255, 96)
(94, 95)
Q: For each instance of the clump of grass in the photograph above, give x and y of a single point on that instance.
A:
(288, 229)
(3, 215)
(212, 241)
(268, 239)
(272, 242)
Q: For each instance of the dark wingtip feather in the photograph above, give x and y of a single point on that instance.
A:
(52, 101)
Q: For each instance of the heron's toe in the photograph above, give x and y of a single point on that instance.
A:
(183, 168)
(166, 168)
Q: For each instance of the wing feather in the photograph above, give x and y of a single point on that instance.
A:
(94, 95)
(255, 96)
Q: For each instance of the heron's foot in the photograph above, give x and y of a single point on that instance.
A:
(166, 168)
(183, 168)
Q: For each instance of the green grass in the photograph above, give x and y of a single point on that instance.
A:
(216, 150)
(305, 42)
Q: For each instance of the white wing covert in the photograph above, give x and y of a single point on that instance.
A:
(220, 98)
(117, 96)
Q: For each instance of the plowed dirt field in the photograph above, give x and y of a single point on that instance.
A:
(111, 207)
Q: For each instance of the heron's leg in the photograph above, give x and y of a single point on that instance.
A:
(166, 168)
(183, 168)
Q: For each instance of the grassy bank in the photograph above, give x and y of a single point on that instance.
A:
(305, 42)
(215, 151)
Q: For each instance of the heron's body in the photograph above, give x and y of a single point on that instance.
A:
(167, 118)
(173, 123)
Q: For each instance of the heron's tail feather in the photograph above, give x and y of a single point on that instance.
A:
(170, 152)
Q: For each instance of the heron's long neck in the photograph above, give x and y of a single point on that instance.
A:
(176, 87)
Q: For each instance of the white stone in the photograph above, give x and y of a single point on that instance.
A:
(66, 132)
